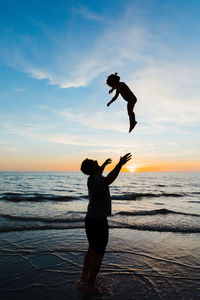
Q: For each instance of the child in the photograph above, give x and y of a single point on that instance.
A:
(121, 88)
(96, 224)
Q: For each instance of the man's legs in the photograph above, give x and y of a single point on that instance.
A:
(87, 263)
(91, 267)
(97, 234)
(93, 271)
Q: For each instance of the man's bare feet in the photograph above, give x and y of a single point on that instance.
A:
(81, 284)
(94, 290)
(132, 126)
(84, 279)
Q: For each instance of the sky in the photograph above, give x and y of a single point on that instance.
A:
(55, 57)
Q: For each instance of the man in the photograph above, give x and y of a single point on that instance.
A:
(96, 224)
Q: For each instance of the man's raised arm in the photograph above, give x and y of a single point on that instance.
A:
(106, 162)
(115, 172)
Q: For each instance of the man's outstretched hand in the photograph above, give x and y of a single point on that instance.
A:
(115, 172)
(124, 159)
(108, 161)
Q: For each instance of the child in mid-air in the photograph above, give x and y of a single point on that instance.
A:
(121, 88)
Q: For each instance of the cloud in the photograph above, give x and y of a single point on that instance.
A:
(9, 150)
(86, 13)
(39, 74)
(39, 132)
(7, 147)
(95, 142)
(67, 63)
(107, 120)
(43, 107)
(19, 89)
(4, 143)
(169, 93)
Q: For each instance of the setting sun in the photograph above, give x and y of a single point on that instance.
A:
(131, 168)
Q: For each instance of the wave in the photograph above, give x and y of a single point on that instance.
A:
(70, 218)
(138, 196)
(76, 221)
(176, 229)
(36, 197)
(19, 197)
(41, 227)
(80, 216)
(162, 211)
(80, 225)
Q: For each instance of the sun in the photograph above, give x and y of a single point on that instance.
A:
(131, 168)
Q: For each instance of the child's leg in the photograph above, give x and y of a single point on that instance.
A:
(131, 115)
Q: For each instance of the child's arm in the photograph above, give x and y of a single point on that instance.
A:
(108, 161)
(114, 98)
(115, 172)
(111, 90)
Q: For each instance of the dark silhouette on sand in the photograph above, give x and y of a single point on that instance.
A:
(96, 224)
(121, 88)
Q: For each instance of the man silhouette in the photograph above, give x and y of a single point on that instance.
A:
(96, 224)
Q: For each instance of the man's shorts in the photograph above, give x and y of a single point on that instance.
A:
(97, 234)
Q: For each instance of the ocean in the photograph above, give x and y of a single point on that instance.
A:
(142, 201)
(153, 245)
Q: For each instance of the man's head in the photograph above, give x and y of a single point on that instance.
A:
(90, 166)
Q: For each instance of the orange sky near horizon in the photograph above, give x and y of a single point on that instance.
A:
(73, 165)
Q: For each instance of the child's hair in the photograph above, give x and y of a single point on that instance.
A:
(112, 79)
(86, 167)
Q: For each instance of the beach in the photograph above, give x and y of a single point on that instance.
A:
(137, 265)
(154, 241)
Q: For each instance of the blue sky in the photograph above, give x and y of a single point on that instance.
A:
(55, 57)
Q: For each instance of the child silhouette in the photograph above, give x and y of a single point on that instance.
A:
(121, 88)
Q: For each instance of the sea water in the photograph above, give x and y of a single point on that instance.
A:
(144, 201)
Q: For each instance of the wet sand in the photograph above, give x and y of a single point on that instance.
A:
(46, 264)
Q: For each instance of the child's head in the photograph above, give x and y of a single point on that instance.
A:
(113, 79)
(89, 167)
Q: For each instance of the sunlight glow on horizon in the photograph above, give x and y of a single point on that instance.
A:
(66, 165)
(132, 168)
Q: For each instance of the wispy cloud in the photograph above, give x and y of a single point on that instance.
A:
(169, 93)
(43, 107)
(89, 62)
(4, 143)
(86, 13)
(8, 148)
(113, 144)
(40, 74)
(39, 132)
(19, 89)
(99, 120)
